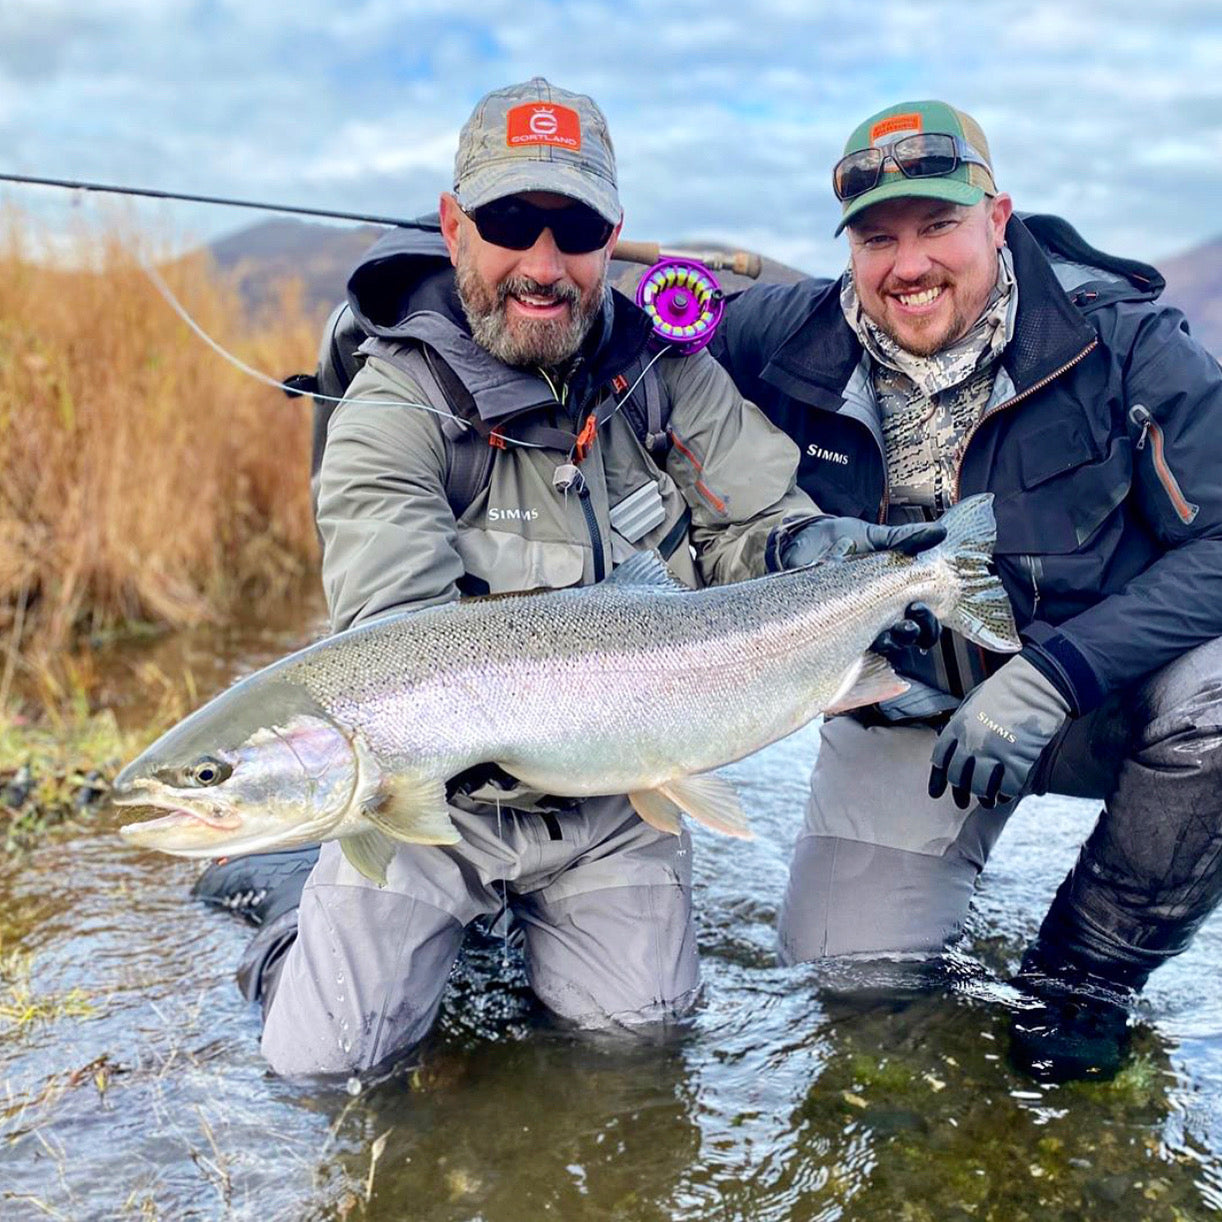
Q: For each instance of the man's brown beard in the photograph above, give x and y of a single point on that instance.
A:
(956, 330)
(545, 342)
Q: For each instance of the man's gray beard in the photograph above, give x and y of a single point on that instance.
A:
(544, 342)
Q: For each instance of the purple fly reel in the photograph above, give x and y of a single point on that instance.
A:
(684, 302)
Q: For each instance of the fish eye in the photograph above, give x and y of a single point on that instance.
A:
(208, 771)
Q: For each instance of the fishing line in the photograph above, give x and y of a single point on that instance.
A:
(267, 380)
(681, 296)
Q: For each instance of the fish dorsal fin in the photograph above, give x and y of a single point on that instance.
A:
(711, 801)
(869, 681)
(369, 853)
(657, 811)
(413, 811)
(646, 569)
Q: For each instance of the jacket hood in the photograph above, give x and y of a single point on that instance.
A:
(406, 270)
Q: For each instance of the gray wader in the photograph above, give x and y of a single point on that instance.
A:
(353, 979)
(880, 868)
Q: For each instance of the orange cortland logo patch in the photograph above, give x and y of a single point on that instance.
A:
(543, 123)
(895, 125)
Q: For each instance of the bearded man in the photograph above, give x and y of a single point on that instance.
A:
(498, 342)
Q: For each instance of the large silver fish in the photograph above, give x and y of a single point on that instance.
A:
(636, 685)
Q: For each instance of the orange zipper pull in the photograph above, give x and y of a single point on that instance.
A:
(586, 438)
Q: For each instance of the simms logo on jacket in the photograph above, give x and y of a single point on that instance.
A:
(543, 123)
(835, 456)
(512, 515)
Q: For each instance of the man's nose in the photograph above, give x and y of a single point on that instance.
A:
(544, 261)
(912, 261)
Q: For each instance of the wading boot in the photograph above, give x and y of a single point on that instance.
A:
(258, 888)
(1076, 1027)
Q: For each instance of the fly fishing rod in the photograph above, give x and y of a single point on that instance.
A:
(745, 263)
(678, 291)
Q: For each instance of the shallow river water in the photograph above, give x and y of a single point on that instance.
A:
(131, 1084)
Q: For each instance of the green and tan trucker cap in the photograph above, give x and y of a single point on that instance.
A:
(968, 183)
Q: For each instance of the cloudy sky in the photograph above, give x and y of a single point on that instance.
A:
(726, 117)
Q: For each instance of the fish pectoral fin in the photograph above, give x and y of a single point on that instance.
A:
(369, 854)
(413, 811)
(873, 680)
(711, 801)
(657, 810)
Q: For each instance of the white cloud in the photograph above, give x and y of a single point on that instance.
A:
(727, 120)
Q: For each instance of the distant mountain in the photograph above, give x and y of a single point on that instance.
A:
(322, 256)
(269, 252)
(1194, 284)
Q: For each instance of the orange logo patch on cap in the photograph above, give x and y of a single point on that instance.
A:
(543, 123)
(895, 125)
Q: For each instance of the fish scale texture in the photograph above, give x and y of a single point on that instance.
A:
(532, 681)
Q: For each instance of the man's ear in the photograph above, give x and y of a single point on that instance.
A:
(452, 217)
(610, 247)
(1001, 208)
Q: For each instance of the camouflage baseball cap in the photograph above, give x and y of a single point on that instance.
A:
(535, 137)
(968, 183)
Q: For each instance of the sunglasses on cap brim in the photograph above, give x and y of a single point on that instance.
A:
(929, 155)
(516, 225)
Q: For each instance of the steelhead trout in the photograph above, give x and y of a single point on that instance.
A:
(636, 685)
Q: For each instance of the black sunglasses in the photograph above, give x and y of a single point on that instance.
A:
(513, 223)
(933, 155)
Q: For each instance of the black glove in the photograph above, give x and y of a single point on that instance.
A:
(826, 537)
(919, 628)
(995, 737)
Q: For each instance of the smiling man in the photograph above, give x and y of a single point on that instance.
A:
(512, 428)
(965, 350)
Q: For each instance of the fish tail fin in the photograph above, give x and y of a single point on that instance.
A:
(982, 610)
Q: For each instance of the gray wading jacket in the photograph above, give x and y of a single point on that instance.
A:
(390, 537)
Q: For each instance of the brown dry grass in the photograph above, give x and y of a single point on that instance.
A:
(142, 478)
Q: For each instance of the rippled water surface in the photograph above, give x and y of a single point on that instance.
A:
(132, 1085)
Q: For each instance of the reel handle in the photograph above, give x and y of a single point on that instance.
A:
(744, 262)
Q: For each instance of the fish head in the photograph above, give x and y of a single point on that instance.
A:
(250, 771)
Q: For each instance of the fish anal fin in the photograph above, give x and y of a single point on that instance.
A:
(413, 811)
(709, 800)
(369, 853)
(874, 680)
(657, 810)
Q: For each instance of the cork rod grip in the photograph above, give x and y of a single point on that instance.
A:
(744, 262)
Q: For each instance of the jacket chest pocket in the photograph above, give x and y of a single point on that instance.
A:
(1070, 483)
(501, 562)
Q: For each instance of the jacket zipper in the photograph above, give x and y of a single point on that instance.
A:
(1184, 508)
(1018, 398)
(579, 485)
(582, 489)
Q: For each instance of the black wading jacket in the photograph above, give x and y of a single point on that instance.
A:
(1102, 445)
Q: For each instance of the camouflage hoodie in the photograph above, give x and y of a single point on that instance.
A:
(930, 403)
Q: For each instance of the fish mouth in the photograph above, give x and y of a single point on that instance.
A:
(177, 817)
(183, 818)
